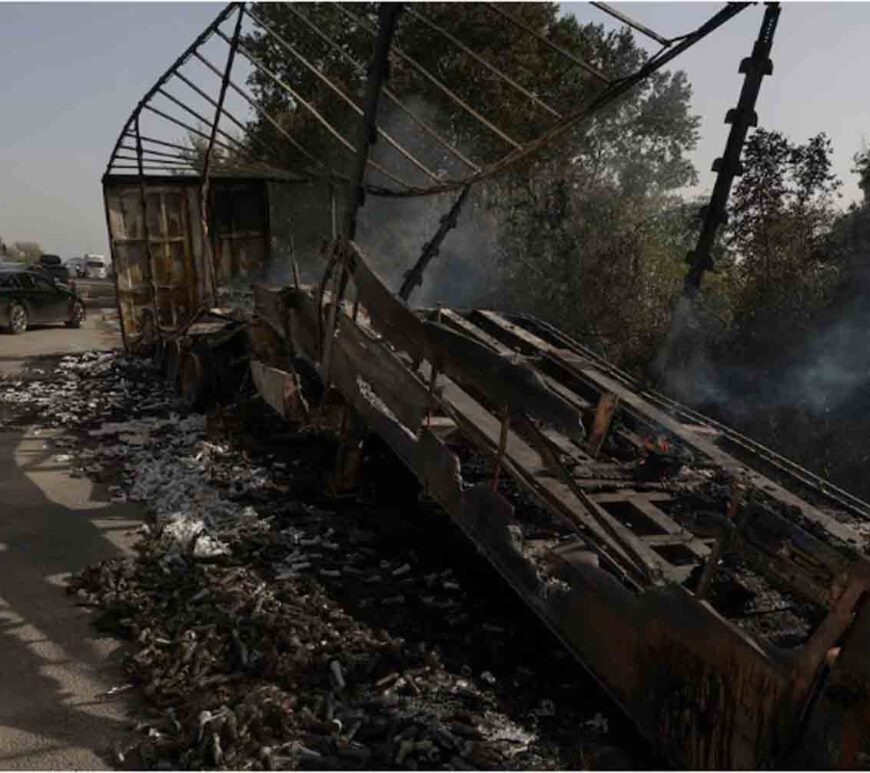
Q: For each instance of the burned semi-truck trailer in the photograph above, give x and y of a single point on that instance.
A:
(715, 589)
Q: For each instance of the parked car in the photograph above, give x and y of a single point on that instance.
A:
(76, 266)
(52, 267)
(30, 298)
(97, 266)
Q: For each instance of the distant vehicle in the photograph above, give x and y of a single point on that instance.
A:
(30, 298)
(52, 267)
(76, 266)
(97, 266)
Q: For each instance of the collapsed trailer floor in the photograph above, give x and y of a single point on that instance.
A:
(719, 606)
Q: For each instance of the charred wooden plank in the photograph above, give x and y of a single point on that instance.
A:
(515, 386)
(700, 442)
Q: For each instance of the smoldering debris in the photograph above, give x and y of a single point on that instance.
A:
(269, 629)
(819, 376)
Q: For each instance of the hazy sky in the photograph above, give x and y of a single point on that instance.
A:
(71, 73)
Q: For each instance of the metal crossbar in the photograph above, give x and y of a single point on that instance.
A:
(253, 145)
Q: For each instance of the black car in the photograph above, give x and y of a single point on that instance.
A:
(30, 298)
(52, 267)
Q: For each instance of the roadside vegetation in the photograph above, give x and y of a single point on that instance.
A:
(20, 252)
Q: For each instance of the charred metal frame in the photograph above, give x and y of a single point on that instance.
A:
(414, 275)
(741, 118)
(479, 170)
(442, 387)
(159, 156)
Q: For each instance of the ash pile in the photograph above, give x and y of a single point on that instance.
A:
(269, 626)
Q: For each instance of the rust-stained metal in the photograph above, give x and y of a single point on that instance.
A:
(167, 269)
(604, 412)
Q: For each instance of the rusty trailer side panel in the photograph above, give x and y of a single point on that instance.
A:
(609, 561)
(167, 263)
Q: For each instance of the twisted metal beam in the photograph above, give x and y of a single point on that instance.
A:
(345, 98)
(435, 81)
(360, 68)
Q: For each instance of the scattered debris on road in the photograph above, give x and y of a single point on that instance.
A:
(270, 627)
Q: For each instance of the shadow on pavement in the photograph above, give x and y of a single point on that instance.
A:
(53, 711)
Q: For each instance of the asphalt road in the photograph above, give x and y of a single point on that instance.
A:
(55, 670)
(100, 332)
(96, 292)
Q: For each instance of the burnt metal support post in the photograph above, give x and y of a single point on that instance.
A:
(378, 74)
(728, 167)
(206, 164)
(414, 275)
(502, 447)
(152, 268)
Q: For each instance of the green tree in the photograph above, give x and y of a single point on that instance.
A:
(780, 213)
(862, 169)
(25, 252)
(596, 242)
